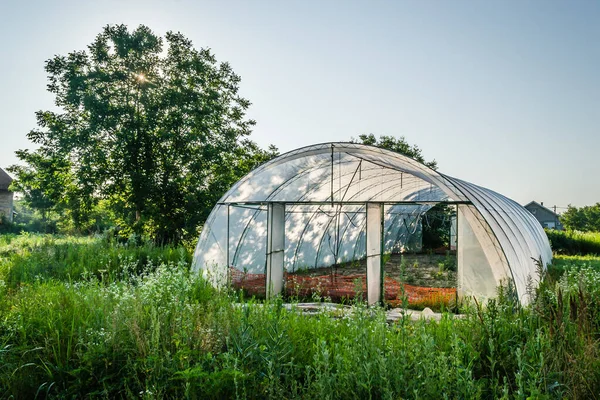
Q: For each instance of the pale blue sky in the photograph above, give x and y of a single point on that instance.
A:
(504, 94)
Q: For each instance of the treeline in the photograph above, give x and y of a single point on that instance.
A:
(585, 219)
(582, 234)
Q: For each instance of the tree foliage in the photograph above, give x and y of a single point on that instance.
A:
(437, 223)
(152, 126)
(586, 219)
(399, 145)
(42, 181)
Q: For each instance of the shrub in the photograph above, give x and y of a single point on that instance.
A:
(574, 242)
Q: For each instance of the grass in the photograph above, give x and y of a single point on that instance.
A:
(574, 242)
(562, 263)
(94, 321)
(32, 257)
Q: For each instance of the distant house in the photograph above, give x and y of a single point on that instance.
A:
(547, 218)
(6, 196)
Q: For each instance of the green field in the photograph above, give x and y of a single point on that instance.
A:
(574, 242)
(92, 318)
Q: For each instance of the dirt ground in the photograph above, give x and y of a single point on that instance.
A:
(423, 279)
(428, 270)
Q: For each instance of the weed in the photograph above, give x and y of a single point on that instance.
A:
(80, 317)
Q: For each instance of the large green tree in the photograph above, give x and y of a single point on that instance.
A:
(585, 218)
(151, 125)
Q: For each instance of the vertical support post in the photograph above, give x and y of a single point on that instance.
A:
(275, 248)
(453, 230)
(460, 255)
(332, 176)
(228, 262)
(458, 266)
(374, 213)
(382, 253)
(456, 233)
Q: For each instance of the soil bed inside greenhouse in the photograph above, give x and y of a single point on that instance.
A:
(420, 280)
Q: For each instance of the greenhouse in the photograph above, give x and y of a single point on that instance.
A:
(340, 220)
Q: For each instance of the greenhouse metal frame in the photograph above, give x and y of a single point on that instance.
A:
(334, 203)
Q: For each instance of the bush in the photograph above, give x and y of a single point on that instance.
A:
(574, 242)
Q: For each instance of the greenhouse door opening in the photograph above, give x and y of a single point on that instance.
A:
(398, 253)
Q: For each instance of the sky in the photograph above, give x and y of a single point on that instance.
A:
(503, 94)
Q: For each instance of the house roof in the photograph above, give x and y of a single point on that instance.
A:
(5, 180)
(535, 203)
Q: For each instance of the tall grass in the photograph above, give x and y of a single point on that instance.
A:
(31, 257)
(157, 331)
(574, 242)
(563, 263)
